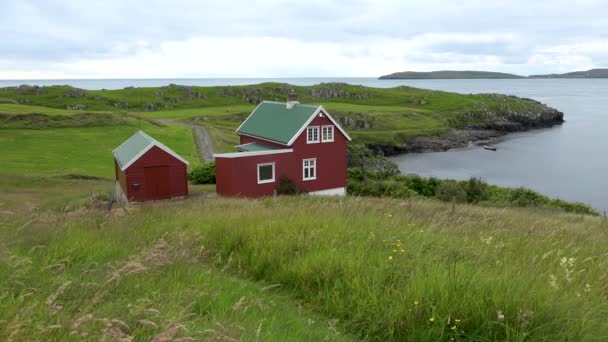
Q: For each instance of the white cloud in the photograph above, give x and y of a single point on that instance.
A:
(153, 39)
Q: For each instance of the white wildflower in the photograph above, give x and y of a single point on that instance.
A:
(553, 282)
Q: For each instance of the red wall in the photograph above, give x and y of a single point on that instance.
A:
(178, 177)
(238, 176)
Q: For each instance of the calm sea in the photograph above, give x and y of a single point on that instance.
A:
(570, 162)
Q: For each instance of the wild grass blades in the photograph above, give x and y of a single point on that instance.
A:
(62, 277)
(449, 277)
(485, 258)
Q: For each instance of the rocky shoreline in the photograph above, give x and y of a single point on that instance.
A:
(481, 133)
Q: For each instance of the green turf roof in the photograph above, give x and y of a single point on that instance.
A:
(254, 147)
(135, 145)
(273, 121)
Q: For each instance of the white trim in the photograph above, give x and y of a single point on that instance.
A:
(255, 136)
(266, 180)
(148, 148)
(250, 154)
(329, 192)
(336, 124)
(320, 109)
(314, 167)
(318, 134)
(256, 108)
(332, 133)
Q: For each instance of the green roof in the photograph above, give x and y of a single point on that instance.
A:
(254, 147)
(274, 121)
(135, 146)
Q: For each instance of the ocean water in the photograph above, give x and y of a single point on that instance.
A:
(569, 161)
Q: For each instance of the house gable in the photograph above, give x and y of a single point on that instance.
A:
(320, 113)
(136, 146)
(278, 123)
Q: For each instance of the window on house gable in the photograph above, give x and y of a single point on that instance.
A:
(312, 135)
(309, 169)
(265, 173)
(327, 133)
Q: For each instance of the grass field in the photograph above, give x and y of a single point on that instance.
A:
(10, 108)
(66, 281)
(81, 150)
(395, 115)
(294, 269)
(285, 269)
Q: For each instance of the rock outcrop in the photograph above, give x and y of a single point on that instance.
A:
(487, 131)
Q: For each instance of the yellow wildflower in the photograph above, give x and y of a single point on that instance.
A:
(390, 257)
(416, 302)
(432, 319)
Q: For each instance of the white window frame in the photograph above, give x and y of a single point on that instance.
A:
(313, 167)
(266, 180)
(330, 129)
(310, 128)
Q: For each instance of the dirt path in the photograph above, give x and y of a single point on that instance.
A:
(203, 141)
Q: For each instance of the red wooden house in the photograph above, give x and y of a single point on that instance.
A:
(148, 170)
(301, 142)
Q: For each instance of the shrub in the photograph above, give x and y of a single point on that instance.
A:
(203, 174)
(425, 187)
(450, 190)
(287, 187)
(522, 197)
(371, 164)
(576, 207)
(476, 190)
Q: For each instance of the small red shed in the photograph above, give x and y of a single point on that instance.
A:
(301, 142)
(147, 170)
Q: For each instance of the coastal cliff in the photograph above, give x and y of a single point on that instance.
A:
(491, 128)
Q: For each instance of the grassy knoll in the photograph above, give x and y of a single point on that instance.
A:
(80, 150)
(75, 276)
(385, 116)
(379, 269)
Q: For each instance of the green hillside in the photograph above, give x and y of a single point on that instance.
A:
(287, 269)
(447, 74)
(294, 268)
(371, 115)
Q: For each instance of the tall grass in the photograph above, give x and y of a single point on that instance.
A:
(382, 269)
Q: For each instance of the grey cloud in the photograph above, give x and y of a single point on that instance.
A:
(61, 31)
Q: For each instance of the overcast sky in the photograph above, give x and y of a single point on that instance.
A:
(171, 39)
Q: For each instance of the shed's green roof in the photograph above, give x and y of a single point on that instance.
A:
(132, 148)
(273, 121)
(253, 147)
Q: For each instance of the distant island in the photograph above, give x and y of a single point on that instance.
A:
(447, 74)
(593, 73)
(452, 74)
